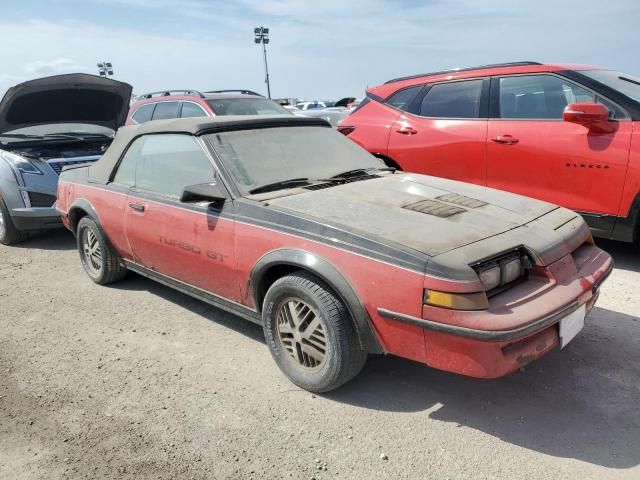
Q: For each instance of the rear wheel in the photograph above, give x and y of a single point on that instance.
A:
(310, 333)
(99, 259)
(9, 234)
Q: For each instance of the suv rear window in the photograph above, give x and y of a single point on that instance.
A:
(143, 114)
(453, 100)
(246, 106)
(402, 98)
(165, 110)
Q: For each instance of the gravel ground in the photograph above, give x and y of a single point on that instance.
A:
(138, 381)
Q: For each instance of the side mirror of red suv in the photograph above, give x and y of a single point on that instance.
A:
(594, 116)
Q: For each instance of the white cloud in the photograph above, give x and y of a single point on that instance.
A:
(318, 49)
(52, 67)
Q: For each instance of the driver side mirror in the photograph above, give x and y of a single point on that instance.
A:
(204, 192)
(594, 116)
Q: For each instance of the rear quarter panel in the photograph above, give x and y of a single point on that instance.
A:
(373, 123)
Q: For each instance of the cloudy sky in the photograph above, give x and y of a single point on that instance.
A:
(324, 49)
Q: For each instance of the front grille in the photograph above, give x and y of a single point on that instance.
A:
(435, 208)
(41, 199)
(58, 164)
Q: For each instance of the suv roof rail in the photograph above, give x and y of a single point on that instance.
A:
(166, 93)
(465, 69)
(236, 90)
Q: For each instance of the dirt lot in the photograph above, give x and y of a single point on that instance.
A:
(139, 381)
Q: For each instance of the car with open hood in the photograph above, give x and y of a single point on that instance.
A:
(286, 223)
(45, 125)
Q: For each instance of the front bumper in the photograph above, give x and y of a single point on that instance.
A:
(40, 218)
(521, 324)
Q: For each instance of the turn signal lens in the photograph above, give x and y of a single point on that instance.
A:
(456, 301)
(346, 129)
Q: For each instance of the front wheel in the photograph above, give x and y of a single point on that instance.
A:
(99, 259)
(310, 333)
(9, 234)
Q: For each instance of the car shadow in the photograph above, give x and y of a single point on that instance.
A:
(133, 281)
(581, 402)
(59, 239)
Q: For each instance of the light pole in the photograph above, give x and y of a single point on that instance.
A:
(105, 69)
(262, 36)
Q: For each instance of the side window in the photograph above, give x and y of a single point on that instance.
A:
(190, 109)
(165, 110)
(126, 172)
(402, 98)
(544, 97)
(143, 114)
(453, 100)
(167, 163)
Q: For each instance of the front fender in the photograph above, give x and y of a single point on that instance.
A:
(329, 274)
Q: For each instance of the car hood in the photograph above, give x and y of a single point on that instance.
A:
(427, 214)
(70, 98)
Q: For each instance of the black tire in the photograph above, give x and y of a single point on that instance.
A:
(105, 267)
(311, 299)
(9, 234)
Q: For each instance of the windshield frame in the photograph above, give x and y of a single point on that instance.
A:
(244, 190)
(615, 80)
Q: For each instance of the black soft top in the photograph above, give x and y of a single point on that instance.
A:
(101, 170)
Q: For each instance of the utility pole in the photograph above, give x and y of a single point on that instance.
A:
(261, 35)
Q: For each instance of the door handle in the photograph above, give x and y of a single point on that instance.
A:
(505, 139)
(407, 130)
(137, 207)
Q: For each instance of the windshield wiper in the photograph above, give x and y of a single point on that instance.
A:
(630, 80)
(360, 171)
(294, 182)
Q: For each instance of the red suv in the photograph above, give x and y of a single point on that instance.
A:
(560, 133)
(168, 104)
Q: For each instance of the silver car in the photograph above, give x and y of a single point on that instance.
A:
(45, 125)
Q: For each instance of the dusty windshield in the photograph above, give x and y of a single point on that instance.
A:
(260, 157)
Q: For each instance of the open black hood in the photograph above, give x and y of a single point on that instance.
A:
(71, 98)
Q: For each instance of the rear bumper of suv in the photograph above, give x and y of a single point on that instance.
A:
(519, 327)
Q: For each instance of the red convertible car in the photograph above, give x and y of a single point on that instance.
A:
(287, 223)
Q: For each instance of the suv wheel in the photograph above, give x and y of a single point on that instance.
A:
(310, 333)
(99, 259)
(9, 234)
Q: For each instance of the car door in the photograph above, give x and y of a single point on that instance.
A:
(192, 242)
(532, 151)
(444, 131)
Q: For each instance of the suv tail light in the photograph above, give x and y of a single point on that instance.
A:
(346, 129)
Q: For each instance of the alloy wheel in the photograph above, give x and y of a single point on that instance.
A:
(92, 251)
(302, 334)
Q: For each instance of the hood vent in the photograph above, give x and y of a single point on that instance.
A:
(435, 208)
(462, 200)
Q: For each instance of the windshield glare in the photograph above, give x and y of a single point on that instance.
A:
(263, 156)
(625, 84)
(246, 106)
